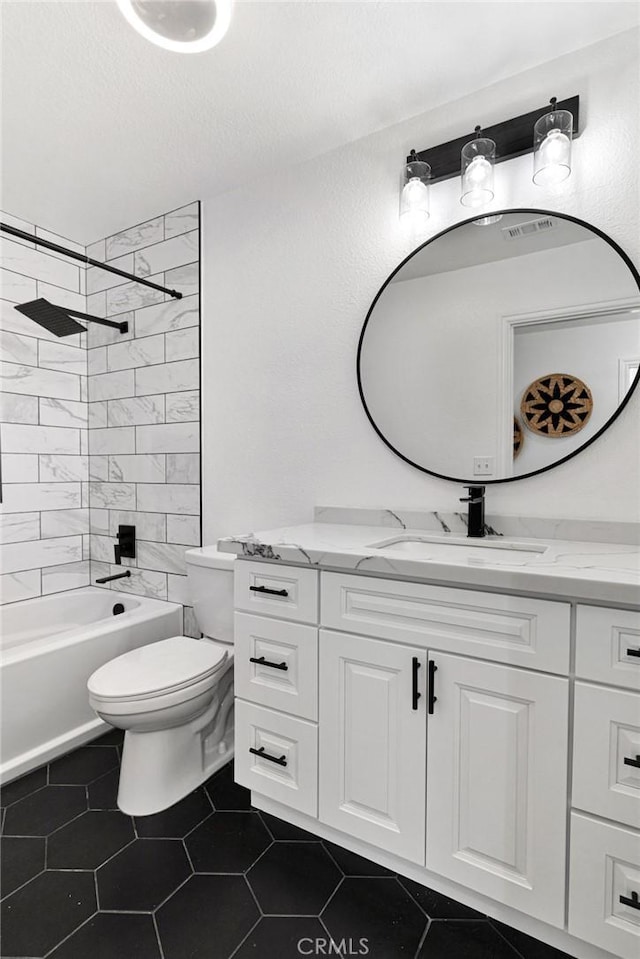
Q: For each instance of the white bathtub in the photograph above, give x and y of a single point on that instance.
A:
(49, 647)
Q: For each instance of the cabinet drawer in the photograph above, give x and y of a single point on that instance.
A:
(605, 869)
(608, 646)
(287, 677)
(293, 781)
(283, 591)
(606, 757)
(507, 629)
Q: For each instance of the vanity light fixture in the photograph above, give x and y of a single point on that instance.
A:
(474, 157)
(478, 158)
(414, 193)
(552, 136)
(182, 26)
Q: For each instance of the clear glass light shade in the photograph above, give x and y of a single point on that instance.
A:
(552, 136)
(478, 158)
(414, 194)
(183, 26)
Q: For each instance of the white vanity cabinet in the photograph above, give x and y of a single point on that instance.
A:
(373, 736)
(604, 880)
(433, 725)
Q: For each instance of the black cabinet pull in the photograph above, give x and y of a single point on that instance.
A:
(415, 695)
(633, 652)
(265, 662)
(433, 699)
(282, 761)
(632, 762)
(270, 592)
(634, 901)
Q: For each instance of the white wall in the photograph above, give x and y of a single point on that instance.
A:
(592, 353)
(291, 264)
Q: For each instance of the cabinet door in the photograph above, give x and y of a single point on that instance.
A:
(497, 783)
(373, 741)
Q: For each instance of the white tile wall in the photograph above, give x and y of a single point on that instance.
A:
(102, 429)
(19, 468)
(169, 438)
(118, 439)
(168, 377)
(136, 411)
(182, 407)
(134, 353)
(17, 438)
(17, 378)
(17, 408)
(164, 317)
(18, 527)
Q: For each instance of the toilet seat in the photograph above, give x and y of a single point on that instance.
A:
(158, 669)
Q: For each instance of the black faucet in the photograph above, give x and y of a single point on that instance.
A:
(126, 545)
(475, 499)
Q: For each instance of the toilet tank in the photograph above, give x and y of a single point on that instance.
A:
(211, 588)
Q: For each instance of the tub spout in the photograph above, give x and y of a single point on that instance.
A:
(107, 579)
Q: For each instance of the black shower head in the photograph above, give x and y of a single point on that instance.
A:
(53, 318)
(58, 319)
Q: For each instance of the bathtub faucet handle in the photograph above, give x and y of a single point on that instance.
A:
(126, 545)
(117, 550)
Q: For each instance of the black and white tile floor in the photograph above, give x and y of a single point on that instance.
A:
(209, 878)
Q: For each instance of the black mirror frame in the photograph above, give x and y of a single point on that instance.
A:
(543, 469)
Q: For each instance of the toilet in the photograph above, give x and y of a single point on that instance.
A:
(174, 698)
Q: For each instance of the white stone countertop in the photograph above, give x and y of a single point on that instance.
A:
(599, 572)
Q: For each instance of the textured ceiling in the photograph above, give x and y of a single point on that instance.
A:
(102, 129)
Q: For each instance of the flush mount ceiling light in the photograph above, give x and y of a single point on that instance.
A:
(182, 26)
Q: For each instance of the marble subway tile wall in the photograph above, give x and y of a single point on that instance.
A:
(44, 514)
(144, 406)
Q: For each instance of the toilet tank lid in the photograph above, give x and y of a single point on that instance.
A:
(210, 556)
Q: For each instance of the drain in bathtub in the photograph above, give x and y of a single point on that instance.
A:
(117, 609)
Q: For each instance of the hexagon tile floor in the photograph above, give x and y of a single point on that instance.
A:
(209, 878)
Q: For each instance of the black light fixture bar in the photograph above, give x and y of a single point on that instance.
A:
(13, 231)
(513, 138)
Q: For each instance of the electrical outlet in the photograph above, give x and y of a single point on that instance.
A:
(482, 465)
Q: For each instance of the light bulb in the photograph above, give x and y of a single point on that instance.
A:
(555, 158)
(415, 196)
(478, 171)
(478, 157)
(552, 135)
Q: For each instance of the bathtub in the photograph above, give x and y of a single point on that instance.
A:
(49, 647)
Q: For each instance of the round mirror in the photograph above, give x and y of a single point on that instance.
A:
(502, 346)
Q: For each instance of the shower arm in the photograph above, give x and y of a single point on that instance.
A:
(123, 327)
(87, 260)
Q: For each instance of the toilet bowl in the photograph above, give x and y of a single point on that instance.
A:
(174, 697)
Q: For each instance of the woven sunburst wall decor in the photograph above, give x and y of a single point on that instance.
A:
(517, 436)
(557, 404)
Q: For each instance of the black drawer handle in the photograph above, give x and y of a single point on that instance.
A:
(632, 762)
(282, 761)
(265, 662)
(633, 652)
(634, 901)
(433, 699)
(415, 695)
(270, 592)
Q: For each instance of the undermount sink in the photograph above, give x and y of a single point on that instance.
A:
(461, 550)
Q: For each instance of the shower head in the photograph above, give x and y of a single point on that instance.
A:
(58, 319)
(53, 318)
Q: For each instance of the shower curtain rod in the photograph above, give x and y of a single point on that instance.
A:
(13, 231)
